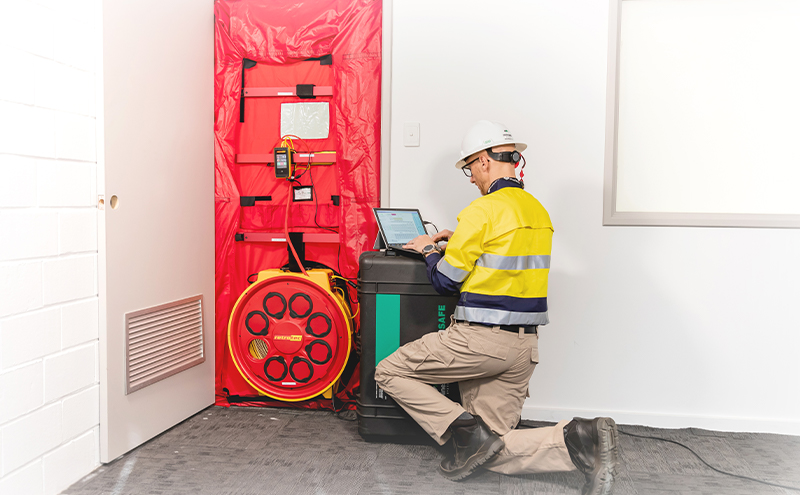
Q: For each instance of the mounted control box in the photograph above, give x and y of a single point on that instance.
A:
(283, 163)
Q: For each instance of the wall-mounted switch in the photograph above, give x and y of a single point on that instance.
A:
(411, 134)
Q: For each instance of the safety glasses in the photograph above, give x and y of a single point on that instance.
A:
(466, 168)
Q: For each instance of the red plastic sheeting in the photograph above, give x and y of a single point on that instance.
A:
(280, 37)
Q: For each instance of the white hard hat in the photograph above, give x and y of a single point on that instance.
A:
(484, 135)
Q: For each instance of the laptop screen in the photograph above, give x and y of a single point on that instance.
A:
(399, 226)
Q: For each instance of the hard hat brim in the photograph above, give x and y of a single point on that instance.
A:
(463, 161)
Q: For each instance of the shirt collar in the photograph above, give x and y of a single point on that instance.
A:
(505, 182)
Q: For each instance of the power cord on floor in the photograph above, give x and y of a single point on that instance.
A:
(709, 465)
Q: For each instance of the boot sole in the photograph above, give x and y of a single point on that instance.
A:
(607, 469)
(473, 463)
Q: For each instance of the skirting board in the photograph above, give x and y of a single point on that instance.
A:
(718, 423)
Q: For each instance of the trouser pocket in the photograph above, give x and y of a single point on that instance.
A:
(485, 346)
(424, 357)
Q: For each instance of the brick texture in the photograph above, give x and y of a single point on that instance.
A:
(69, 463)
(21, 391)
(69, 372)
(49, 391)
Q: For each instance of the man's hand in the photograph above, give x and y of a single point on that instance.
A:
(444, 235)
(418, 243)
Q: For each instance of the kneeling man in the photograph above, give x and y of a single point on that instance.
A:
(498, 258)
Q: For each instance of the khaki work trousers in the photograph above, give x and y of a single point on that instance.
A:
(492, 367)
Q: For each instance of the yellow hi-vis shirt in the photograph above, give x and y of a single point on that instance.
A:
(500, 252)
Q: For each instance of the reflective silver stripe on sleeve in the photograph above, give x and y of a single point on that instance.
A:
(451, 272)
(500, 317)
(499, 262)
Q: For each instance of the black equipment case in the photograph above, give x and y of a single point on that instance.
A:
(398, 305)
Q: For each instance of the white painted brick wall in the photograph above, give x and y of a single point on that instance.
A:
(30, 336)
(69, 463)
(75, 44)
(75, 137)
(63, 183)
(49, 391)
(17, 180)
(30, 437)
(80, 413)
(20, 287)
(67, 279)
(33, 28)
(21, 391)
(27, 130)
(79, 323)
(77, 230)
(25, 481)
(69, 371)
(16, 225)
(19, 88)
(64, 88)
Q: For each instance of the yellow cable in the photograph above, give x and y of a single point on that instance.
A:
(287, 143)
(358, 308)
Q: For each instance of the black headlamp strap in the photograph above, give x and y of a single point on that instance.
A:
(504, 156)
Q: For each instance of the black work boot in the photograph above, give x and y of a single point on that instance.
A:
(592, 446)
(474, 445)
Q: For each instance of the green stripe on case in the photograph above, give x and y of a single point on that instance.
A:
(387, 325)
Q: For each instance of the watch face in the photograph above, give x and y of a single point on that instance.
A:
(427, 249)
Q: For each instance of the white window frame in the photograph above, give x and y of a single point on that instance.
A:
(613, 217)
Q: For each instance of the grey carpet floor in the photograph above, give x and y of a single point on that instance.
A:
(244, 451)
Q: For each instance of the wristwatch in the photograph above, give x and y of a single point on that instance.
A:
(429, 249)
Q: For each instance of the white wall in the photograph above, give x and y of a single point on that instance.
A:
(49, 410)
(682, 115)
(662, 326)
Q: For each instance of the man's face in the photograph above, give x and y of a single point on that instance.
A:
(482, 167)
(480, 174)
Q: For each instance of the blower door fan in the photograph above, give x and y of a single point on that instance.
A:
(289, 335)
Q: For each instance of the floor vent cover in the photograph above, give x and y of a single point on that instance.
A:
(162, 341)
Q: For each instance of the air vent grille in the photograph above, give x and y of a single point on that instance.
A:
(162, 341)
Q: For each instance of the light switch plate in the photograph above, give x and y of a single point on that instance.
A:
(411, 134)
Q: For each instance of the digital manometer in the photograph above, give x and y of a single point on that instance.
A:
(283, 163)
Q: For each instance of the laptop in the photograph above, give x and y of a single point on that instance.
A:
(398, 226)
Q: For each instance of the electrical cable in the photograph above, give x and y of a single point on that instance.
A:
(350, 299)
(286, 229)
(347, 298)
(316, 209)
(347, 281)
(290, 144)
(522, 169)
(297, 177)
(709, 465)
(287, 141)
(340, 291)
(425, 222)
(316, 204)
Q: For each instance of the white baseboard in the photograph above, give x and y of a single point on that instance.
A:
(658, 420)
